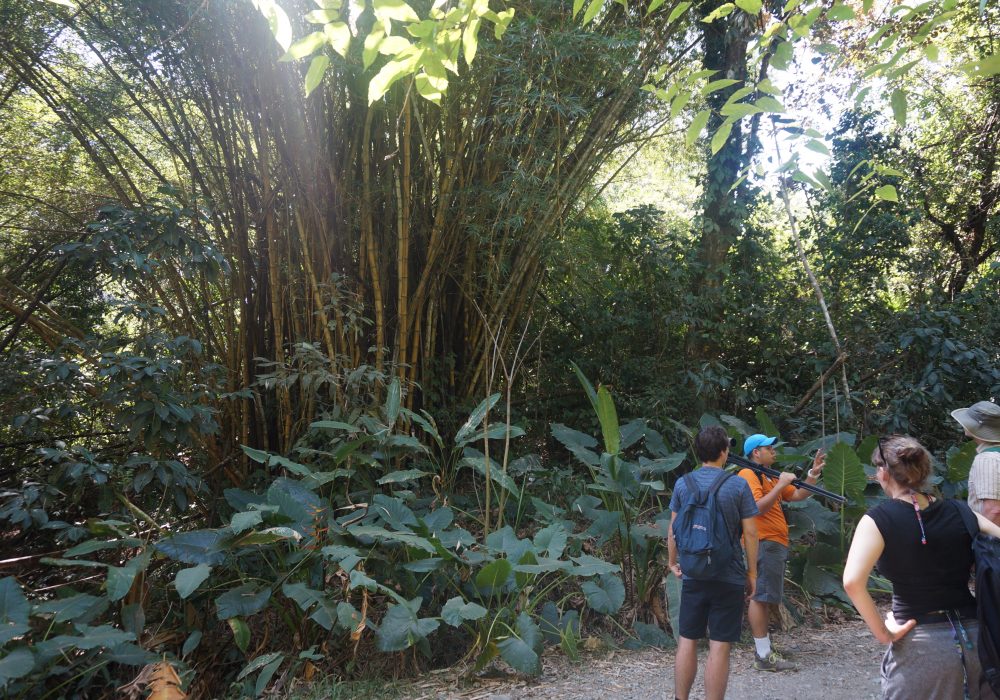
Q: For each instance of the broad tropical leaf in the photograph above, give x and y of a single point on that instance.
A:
(843, 473)
(605, 594)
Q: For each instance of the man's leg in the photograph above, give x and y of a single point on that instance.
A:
(771, 558)
(758, 614)
(717, 670)
(685, 667)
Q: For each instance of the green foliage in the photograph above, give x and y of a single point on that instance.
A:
(625, 498)
(52, 647)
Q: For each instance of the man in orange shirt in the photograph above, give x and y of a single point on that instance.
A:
(773, 549)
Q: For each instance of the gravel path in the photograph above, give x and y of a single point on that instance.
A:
(838, 661)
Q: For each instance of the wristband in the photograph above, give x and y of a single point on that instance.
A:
(815, 476)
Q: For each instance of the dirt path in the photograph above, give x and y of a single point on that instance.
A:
(836, 662)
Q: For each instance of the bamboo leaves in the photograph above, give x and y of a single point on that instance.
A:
(277, 20)
(440, 38)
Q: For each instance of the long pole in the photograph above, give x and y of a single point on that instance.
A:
(774, 474)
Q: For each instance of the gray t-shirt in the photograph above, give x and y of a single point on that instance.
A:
(736, 501)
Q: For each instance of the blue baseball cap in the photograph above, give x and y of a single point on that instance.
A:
(756, 440)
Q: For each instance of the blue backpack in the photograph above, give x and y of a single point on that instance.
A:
(705, 549)
(986, 550)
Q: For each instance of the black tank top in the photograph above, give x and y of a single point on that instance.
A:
(925, 577)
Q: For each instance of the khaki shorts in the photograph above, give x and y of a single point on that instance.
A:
(771, 557)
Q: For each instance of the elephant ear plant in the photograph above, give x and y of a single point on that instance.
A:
(352, 537)
(623, 509)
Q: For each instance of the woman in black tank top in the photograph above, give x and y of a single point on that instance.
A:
(922, 546)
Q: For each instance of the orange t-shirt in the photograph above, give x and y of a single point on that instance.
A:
(770, 525)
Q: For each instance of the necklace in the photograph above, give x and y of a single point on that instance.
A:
(920, 520)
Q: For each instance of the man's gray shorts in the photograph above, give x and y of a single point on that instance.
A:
(771, 558)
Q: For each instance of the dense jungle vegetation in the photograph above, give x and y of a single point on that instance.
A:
(344, 339)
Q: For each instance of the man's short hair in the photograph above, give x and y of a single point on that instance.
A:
(710, 443)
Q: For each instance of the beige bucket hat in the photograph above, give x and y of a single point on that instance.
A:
(981, 419)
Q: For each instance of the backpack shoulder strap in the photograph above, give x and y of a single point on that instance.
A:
(694, 491)
(968, 517)
(719, 481)
(716, 485)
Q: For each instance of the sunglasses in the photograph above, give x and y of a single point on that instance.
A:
(881, 452)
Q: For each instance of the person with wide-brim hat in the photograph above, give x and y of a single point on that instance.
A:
(981, 422)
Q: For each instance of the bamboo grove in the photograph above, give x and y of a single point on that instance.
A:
(429, 221)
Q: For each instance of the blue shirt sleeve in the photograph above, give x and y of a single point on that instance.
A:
(748, 506)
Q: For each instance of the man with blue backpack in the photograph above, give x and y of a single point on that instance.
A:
(709, 510)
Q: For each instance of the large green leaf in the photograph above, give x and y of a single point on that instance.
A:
(477, 461)
(323, 610)
(241, 632)
(819, 581)
(673, 587)
(402, 476)
(811, 516)
(392, 400)
(521, 651)
(66, 609)
(95, 637)
(608, 416)
(306, 46)
(187, 580)
(898, 102)
(14, 606)
(456, 611)
(381, 533)
(258, 663)
(242, 601)
(91, 546)
(268, 536)
(960, 462)
(765, 424)
(16, 664)
(721, 135)
(577, 443)
(493, 575)
(267, 459)
(395, 10)
(348, 616)
(506, 542)
(14, 610)
(551, 540)
(751, 7)
(467, 432)
(317, 69)
(241, 522)
(605, 594)
(400, 628)
(587, 386)
(120, 578)
(587, 565)
(843, 473)
(296, 502)
(196, 547)
(651, 636)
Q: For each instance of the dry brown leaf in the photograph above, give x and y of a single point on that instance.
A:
(165, 684)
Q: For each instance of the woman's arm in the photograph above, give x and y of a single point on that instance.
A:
(987, 526)
(866, 547)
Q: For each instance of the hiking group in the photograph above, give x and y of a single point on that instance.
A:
(923, 544)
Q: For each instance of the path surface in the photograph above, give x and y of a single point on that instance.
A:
(839, 661)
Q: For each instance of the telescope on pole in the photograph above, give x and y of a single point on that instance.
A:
(774, 474)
